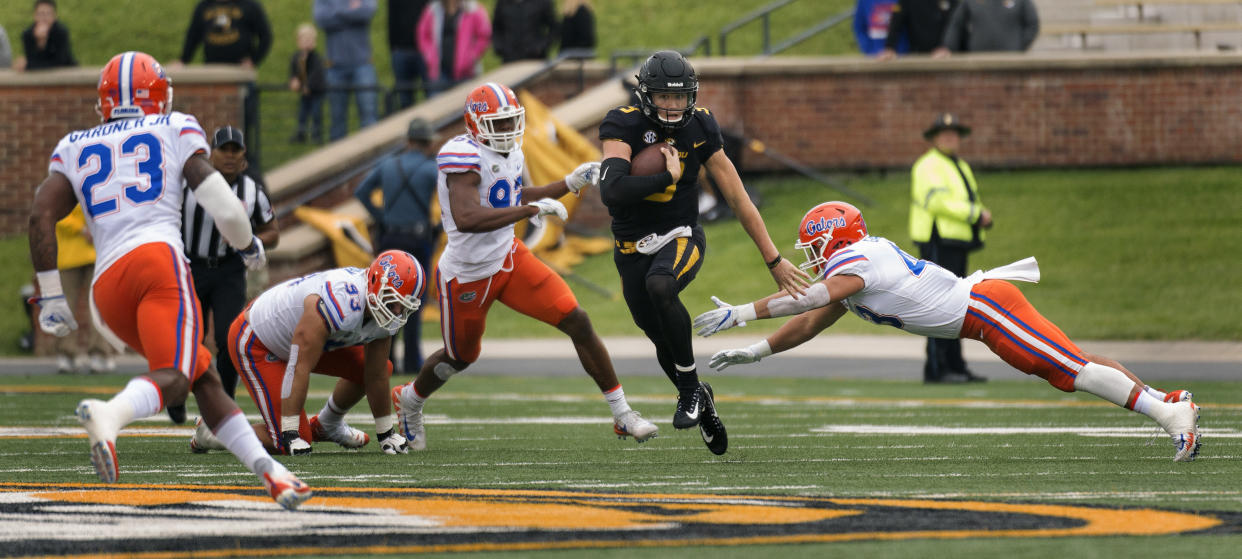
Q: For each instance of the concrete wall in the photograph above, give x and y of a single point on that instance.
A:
(38, 108)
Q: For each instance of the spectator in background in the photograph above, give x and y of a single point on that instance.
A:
(577, 25)
(947, 220)
(347, 27)
(6, 51)
(523, 29)
(231, 32)
(408, 68)
(992, 25)
(218, 270)
(871, 21)
(46, 41)
(408, 183)
(922, 23)
(76, 261)
(453, 35)
(306, 78)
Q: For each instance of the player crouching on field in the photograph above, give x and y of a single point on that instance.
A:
(338, 323)
(879, 282)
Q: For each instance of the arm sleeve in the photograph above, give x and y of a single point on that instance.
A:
(617, 187)
(711, 129)
(263, 212)
(64, 52)
(849, 262)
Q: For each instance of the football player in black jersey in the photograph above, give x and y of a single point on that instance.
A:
(659, 243)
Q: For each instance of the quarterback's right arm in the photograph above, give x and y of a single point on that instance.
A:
(616, 186)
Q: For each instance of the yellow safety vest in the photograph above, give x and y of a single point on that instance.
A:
(72, 248)
(939, 197)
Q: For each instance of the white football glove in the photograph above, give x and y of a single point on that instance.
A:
(722, 359)
(255, 257)
(391, 442)
(723, 317)
(585, 174)
(55, 317)
(548, 206)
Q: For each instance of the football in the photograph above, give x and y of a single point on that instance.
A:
(649, 161)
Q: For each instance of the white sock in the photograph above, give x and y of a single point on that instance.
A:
(384, 424)
(616, 401)
(331, 415)
(1105, 382)
(1156, 393)
(411, 398)
(290, 423)
(140, 398)
(1114, 386)
(236, 435)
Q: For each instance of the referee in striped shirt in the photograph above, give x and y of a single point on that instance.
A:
(219, 274)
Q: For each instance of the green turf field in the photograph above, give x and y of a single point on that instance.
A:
(889, 469)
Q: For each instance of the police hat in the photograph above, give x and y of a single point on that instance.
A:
(946, 121)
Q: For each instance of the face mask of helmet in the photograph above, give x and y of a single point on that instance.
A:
(502, 131)
(667, 89)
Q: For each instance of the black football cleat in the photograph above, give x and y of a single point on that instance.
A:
(689, 408)
(710, 427)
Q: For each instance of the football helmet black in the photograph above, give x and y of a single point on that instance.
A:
(667, 71)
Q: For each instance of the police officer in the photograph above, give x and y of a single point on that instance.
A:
(408, 183)
(659, 243)
(947, 221)
(219, 274)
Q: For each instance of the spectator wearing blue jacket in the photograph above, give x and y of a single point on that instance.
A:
(408, 183)
(347, 29)
(871, 19)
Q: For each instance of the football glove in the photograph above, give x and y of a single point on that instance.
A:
(55, 317)
(254, 257)
(722, 359)
(586, 174)
(723, 317)
(391, 442)
(548, 206)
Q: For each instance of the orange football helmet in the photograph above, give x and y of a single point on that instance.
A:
(827, 228)
(395, 278)
(131, 85)
(495, 118)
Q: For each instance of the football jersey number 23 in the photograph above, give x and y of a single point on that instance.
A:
(150, 173)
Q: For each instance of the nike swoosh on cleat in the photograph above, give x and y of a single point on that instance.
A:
(694, 415)
(708, 438)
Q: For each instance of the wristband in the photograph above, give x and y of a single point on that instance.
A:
(760, 349)
(774, 262)
(49, 284)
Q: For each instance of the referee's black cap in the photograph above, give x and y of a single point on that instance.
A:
(228, 135)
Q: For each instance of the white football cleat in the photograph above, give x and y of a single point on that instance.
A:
(203, 439)
(409, 421)
(286, 489)
(342, 434)
(101, 427)
(632, 424)
(1183, 428)
(391, 442)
